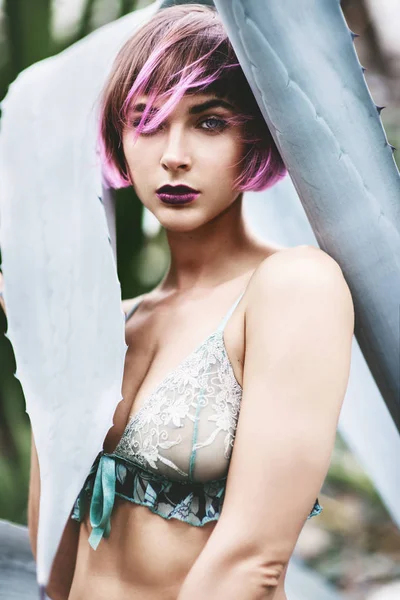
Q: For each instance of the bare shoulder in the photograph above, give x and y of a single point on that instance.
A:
(302, 271)
(292, 259)
(297, 263)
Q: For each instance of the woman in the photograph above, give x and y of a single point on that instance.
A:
(188, 500)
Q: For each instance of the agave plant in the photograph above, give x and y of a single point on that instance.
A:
(70, 355)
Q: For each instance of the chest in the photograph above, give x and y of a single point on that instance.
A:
(182, 427)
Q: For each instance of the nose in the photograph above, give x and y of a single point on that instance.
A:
(176, 156)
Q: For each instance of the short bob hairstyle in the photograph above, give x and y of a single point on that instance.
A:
(183, 49)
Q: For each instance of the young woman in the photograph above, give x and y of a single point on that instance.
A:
(238, 360)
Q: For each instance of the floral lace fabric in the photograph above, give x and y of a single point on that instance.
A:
(186, 429)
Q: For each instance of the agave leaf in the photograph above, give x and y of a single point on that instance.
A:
(61, 288)
(301, 63)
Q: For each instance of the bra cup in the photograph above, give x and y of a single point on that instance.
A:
(186, 428)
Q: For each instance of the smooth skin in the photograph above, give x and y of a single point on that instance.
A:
(289, 342)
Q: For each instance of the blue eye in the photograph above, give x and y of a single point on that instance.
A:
(217, 124)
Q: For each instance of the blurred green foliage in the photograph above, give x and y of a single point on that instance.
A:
(14, 437)
(28, 32)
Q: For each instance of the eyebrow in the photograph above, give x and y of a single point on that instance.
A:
(215, 102)
(195, 109)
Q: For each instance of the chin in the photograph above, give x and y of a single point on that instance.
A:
(180, 227)
(181, 223)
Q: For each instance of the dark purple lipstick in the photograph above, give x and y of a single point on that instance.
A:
(177, 194)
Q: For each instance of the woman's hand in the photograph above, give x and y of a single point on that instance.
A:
(2, 303)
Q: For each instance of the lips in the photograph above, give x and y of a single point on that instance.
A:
(177, 194)
(176, 190)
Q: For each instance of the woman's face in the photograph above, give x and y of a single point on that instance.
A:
(195, 146)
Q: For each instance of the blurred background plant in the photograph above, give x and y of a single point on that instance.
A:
(354, 542)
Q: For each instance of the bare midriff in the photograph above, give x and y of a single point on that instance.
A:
(145, 556)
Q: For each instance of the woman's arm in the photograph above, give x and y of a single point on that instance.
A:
(62, 572)
(299, 323)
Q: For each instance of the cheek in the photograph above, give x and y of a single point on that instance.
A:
(222, 155)
(136, 160)
(139, 157)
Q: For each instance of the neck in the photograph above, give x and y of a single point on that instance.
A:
(217, 252)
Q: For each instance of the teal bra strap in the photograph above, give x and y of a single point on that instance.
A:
(132, 310)
(228, 314)
(102, 500)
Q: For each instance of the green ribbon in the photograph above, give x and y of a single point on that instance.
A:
(102, 500)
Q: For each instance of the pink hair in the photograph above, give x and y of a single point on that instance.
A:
(183, 50)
